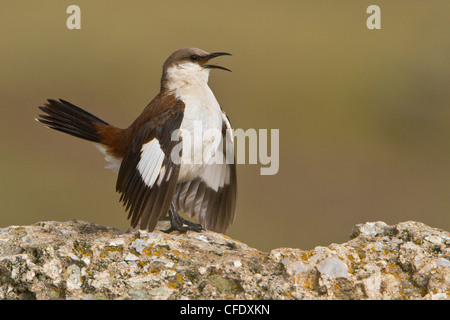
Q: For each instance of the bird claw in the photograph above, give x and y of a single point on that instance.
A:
(178, 223)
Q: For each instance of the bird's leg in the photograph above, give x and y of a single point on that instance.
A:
(180, 224)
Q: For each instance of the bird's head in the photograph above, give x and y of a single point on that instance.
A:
(189, 66)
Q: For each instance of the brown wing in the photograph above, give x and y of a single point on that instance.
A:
(147, 177)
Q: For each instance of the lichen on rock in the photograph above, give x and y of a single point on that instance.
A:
(81, 260)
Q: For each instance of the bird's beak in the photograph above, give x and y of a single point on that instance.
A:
(214, 55)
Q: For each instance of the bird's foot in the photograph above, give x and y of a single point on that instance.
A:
(178, 223)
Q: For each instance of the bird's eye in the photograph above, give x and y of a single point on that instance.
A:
(193, 57)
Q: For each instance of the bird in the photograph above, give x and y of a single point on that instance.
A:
(162, 168)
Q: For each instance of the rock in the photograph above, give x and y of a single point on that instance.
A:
(85, 261)
(332, 267)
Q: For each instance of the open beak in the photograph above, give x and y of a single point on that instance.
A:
(214, 55)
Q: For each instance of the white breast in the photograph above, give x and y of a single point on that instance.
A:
(201, 129)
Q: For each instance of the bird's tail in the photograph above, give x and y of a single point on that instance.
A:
(66, 117)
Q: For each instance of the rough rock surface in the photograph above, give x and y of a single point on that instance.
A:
(80, 260)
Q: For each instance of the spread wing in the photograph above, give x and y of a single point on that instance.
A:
(147, 177)
(211, 198)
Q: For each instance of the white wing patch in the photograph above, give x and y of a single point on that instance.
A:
(149, 166)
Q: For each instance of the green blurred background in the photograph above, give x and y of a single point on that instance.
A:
(363, 114)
